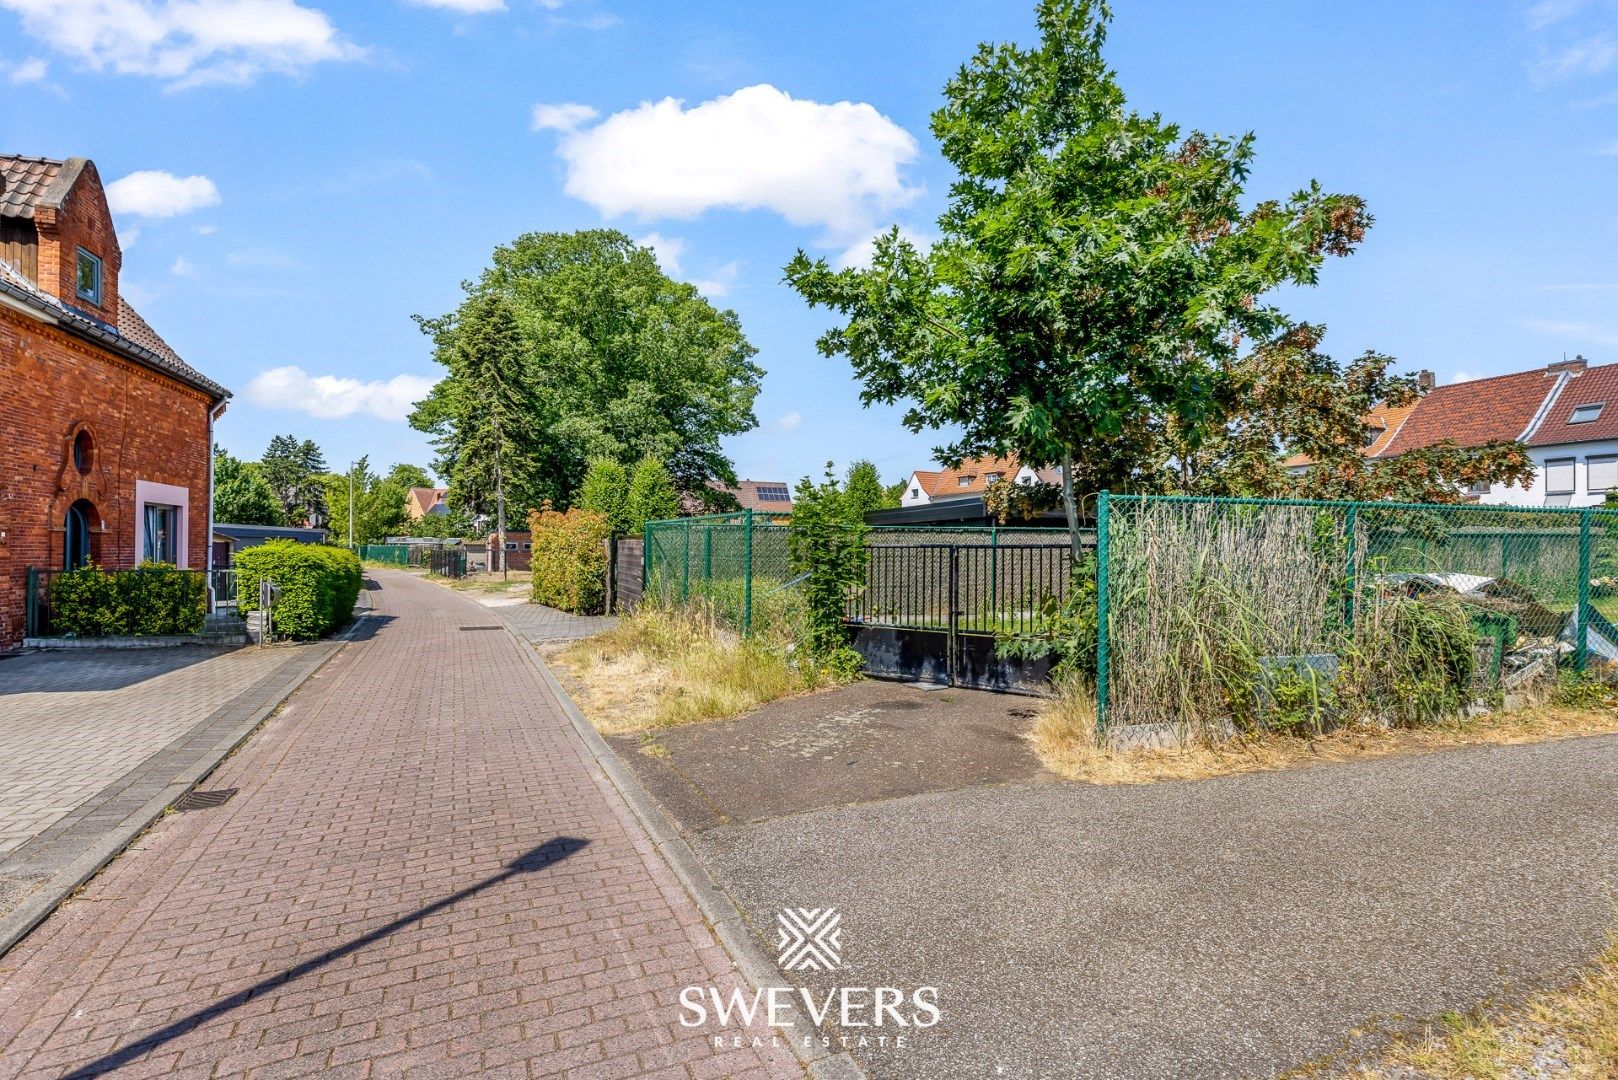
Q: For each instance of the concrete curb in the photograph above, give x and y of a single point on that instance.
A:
(722, 913)
(39, 904)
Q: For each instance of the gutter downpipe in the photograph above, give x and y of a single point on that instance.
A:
(215, 411)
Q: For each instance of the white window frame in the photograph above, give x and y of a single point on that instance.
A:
(1610, 461)
(1572, 465)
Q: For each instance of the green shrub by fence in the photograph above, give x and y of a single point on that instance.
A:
(319, 585)
(570, 559)
(152, 600)
(1208, 606)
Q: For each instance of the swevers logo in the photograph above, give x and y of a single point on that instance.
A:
(811, 939)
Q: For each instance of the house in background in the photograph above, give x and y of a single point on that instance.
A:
(421, 501)
(105, 433)
(229, 539)
(519, 550)
(760, 496)
(970, 480)
(1566, 413)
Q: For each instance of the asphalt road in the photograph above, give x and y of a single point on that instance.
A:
(1223, 928)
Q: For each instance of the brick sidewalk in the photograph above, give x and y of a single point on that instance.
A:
(423, 874)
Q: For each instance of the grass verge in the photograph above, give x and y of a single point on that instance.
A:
(661, 668)
(1064, 736)
(1571, 1033)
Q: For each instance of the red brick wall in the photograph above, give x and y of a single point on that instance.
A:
(84, 221)
(144, 426)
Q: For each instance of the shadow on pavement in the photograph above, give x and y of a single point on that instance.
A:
(547, 854)
(75, 670)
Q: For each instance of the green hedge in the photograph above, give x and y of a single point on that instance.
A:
(319, 585)
(153, 600)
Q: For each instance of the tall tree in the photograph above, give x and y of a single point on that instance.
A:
(1095, 275)
(378, 504)
(240, 495)
(410, 476)
(293, 470)
(618, 361)
(651, 496)
(863, 491)
(605, 490)
(487, 417)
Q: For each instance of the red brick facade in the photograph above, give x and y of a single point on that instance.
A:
(138, 416)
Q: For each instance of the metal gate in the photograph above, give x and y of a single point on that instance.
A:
(933, 611)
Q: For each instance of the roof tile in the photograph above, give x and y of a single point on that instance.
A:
(1595, 386)
(1473, 413)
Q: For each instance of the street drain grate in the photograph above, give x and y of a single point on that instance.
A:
(203, 800)
(480, 628)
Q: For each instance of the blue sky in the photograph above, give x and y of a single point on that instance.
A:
(308, 175)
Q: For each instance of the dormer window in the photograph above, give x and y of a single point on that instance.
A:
(964, 481)
(89, 278)
(991, 478)
(1587, 414)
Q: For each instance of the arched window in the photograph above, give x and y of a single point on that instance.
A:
(79, 538)
(84, 452)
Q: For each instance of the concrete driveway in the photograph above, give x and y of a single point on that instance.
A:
(1225, 928)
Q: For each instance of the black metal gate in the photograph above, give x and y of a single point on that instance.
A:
(933, 611)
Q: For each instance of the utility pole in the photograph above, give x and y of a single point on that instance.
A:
(351, 506)
(500, 506)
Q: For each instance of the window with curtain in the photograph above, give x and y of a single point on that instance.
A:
(162, 534)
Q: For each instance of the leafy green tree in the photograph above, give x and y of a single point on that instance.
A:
(441, 526)
(293, 469)
(651, 496)
(826, 544)
(487, 418)
(379, 505)
(616, 360)
(1095, 275)
(240, 495)
(606, 491)
(410, 476)
(864, 492)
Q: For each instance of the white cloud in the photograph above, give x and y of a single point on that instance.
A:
(151, 193)
(1549, 12)
(1574, 331)
(186, 42)
(465, 7)
(836, 166)
(205, 230)
(721, 281)
(183, 267)
(1464, 376)
(565, 116)
(1591, 56)
(332, 397)
(30, 70)
(668, 250)
(789, 422)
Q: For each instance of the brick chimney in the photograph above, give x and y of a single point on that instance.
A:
(1574, 366)
(1425, 380)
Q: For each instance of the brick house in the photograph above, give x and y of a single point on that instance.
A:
(105, 433)
(421, 501)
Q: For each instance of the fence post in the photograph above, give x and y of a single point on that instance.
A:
(994, 571)
(954, 608)
(1103, 653)
(707, 554)
(1351, 521)
(1581, 629)
(747, 573)
(685, 565)
(30, 619)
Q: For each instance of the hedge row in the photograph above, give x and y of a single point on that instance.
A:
(151, 600)
(319, 585)
(570, 559)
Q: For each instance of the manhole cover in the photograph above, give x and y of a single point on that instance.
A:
(203, 800)
(480, 628)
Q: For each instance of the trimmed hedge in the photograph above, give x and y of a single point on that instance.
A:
(570, 559)
(152, 600)
(319, 585)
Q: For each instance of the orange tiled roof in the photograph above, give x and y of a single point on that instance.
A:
(1476, 412)
(1385, 420)
(969, 478)
(1594, 386)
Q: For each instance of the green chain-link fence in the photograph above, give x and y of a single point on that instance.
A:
(1207, 606)
(731, 560)
(390, 554)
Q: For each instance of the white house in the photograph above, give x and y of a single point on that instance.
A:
(969, 481)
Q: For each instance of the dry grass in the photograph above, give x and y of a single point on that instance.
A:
(489, 582)
(1570, 1033)
(661, 668)
(1064, 736)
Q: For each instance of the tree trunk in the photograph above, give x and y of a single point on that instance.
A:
(500, 509)
(1071, 505)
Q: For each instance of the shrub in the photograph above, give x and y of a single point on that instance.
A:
(827, 549)
(319, 585)
(152, 600)
(570, 559)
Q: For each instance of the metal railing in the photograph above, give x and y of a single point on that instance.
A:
(968, 588)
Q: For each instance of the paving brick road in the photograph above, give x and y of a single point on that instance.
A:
(423, 874)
